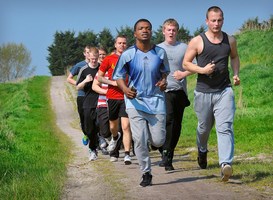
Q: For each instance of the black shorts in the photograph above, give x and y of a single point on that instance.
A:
(116, 109)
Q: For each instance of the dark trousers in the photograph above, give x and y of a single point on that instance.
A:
(80, 111)
(90, 127)
(176, 101)
(103, 122)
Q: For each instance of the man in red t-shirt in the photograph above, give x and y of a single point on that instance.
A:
(116, 104)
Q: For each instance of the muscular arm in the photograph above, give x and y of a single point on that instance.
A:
(194, 48)
(234, 60)
(179, 75)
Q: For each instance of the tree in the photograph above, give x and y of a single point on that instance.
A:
(105, 39)
(62, 53)
(183, 34)
(83, 39)
(15, 62)
(158, 36)
(129, 33)
(199, 30)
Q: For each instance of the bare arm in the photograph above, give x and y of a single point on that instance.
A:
(234, 60)
(179, 75)
(129, 92)
(87, 79)
(96, 86)
(194, 48)
(102, 79)
(70, 79)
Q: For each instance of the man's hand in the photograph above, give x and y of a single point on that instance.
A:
(209, 68)
(130, 92)
(236, 80)
(88, 78)
(162, 84)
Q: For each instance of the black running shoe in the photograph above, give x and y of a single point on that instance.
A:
(164, 160)
(146, 179)
(169, 167)
(202, 159)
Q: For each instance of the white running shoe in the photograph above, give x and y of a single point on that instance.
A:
(113, 143)
(93, 155)
(127, 160)
(102, 142)
(113, 159)
(226, 172)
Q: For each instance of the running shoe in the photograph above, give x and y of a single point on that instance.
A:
(102, 142)
(113, 159)
(104, 151)
(226, 172)
(146, 179)
(93, 155)
(113, 143)
(127, 160)
(202, 159)
(85, 140)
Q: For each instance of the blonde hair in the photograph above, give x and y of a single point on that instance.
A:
(93, 50)
(170, 21)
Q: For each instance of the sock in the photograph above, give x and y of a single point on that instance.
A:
(127, 153)
(115, 138)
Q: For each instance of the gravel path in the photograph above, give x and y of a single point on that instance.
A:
(101, 179)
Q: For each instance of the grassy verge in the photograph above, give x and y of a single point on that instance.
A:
(33, 151)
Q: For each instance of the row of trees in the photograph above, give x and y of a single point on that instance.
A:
(67, 48)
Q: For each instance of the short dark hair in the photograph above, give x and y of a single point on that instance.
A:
(142, 20)
(215, 9)
(120, 36)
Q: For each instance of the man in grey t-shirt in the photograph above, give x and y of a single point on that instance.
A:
(176, 92)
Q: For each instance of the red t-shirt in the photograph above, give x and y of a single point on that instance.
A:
(108, 65)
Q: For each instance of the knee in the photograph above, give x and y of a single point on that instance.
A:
(158, 142)
(225, 129)
(204, 129)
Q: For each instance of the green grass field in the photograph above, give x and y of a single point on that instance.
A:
(34, 153)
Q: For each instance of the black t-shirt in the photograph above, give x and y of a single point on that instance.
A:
(91, 97)
(219, 54)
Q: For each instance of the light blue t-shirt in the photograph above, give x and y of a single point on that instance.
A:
(144, 71)
(75, 71)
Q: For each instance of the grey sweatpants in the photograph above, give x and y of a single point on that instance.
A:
(146, 127)
(218, 107)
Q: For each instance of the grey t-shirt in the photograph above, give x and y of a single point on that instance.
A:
(175, 54)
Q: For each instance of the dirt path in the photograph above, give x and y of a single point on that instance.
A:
(102, 179)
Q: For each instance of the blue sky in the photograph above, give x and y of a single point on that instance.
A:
(34, 22)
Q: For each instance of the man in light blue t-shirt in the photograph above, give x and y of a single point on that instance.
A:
(147, 67)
